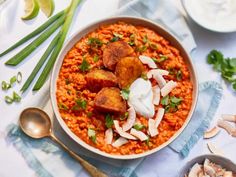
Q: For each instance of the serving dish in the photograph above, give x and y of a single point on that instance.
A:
(135, 21)
(219, 160)
(217, 16)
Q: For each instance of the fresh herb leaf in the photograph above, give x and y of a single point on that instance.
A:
(114, 39)
(92, 134)
(109, 121)
(165, 100)
(179, 75)
(95, 58)
(85, 66)
(145, 39)
(125, 94)
(94, 42)
(81, 103)
(139, 126)
(62, 106)
(227, 66)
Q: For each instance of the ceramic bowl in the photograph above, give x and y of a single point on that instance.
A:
(136, 21)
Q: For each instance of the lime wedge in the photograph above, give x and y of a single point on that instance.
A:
(47, 6)
(31, 9)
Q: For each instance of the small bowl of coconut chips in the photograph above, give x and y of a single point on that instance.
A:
(209, 166)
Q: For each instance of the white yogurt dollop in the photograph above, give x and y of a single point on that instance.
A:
(218, 15)
(141, 96)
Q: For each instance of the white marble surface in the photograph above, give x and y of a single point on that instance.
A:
(165, 163)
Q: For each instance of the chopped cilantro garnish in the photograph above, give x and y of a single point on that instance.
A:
(84, 65)
(125, 94)
(139, 126)
(62, 106)
(95, 42)
(109, 121)
(95, 58)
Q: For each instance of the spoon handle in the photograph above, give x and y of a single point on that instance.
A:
(92, 170)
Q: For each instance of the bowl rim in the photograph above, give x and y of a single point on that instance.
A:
(187, 166)
(59, 62)
(226, 30)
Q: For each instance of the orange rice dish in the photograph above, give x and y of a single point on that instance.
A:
(124, 89)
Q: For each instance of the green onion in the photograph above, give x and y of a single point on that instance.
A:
(179, 75)
(125, 116)
(40, 63)
(19, 77)
(16, 97)
(92, 134)
(96, 58)
(8, 100)
(94, 42)
(5, 85)
(34, 33)
(13, 80)
(145, 39)
(19, 57)
(62, 106)
(53, 57)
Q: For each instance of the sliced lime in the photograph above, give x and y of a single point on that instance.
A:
(31, 9)
(47, 6)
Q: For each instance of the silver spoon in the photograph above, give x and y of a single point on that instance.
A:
(36, 123)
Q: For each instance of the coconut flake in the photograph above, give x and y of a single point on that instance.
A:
(168, 88)
(119, 142)
(148, 61)
(160, 80)
(139, 134)
(159, 71)
(152, 128)
(195, 170)
(121, 132)
(159, 116)
(108, 136)
(214, 150)
(130, 120)
(228, 127)
(156, 95)
(211, 133)
(228, 117)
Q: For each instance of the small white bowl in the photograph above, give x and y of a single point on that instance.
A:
(225, 25)
(219, 160)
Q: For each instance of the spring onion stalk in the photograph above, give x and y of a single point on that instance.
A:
(65, 28)
(19, 57)
(34, 33)
(40, 63)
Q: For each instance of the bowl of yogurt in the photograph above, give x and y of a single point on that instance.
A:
(214, 15)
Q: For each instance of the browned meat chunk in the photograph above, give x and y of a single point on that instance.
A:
(114, 51)
(128, 69)
(109, 100)
(97, 79)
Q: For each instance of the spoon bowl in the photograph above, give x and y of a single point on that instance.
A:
(35, 123)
